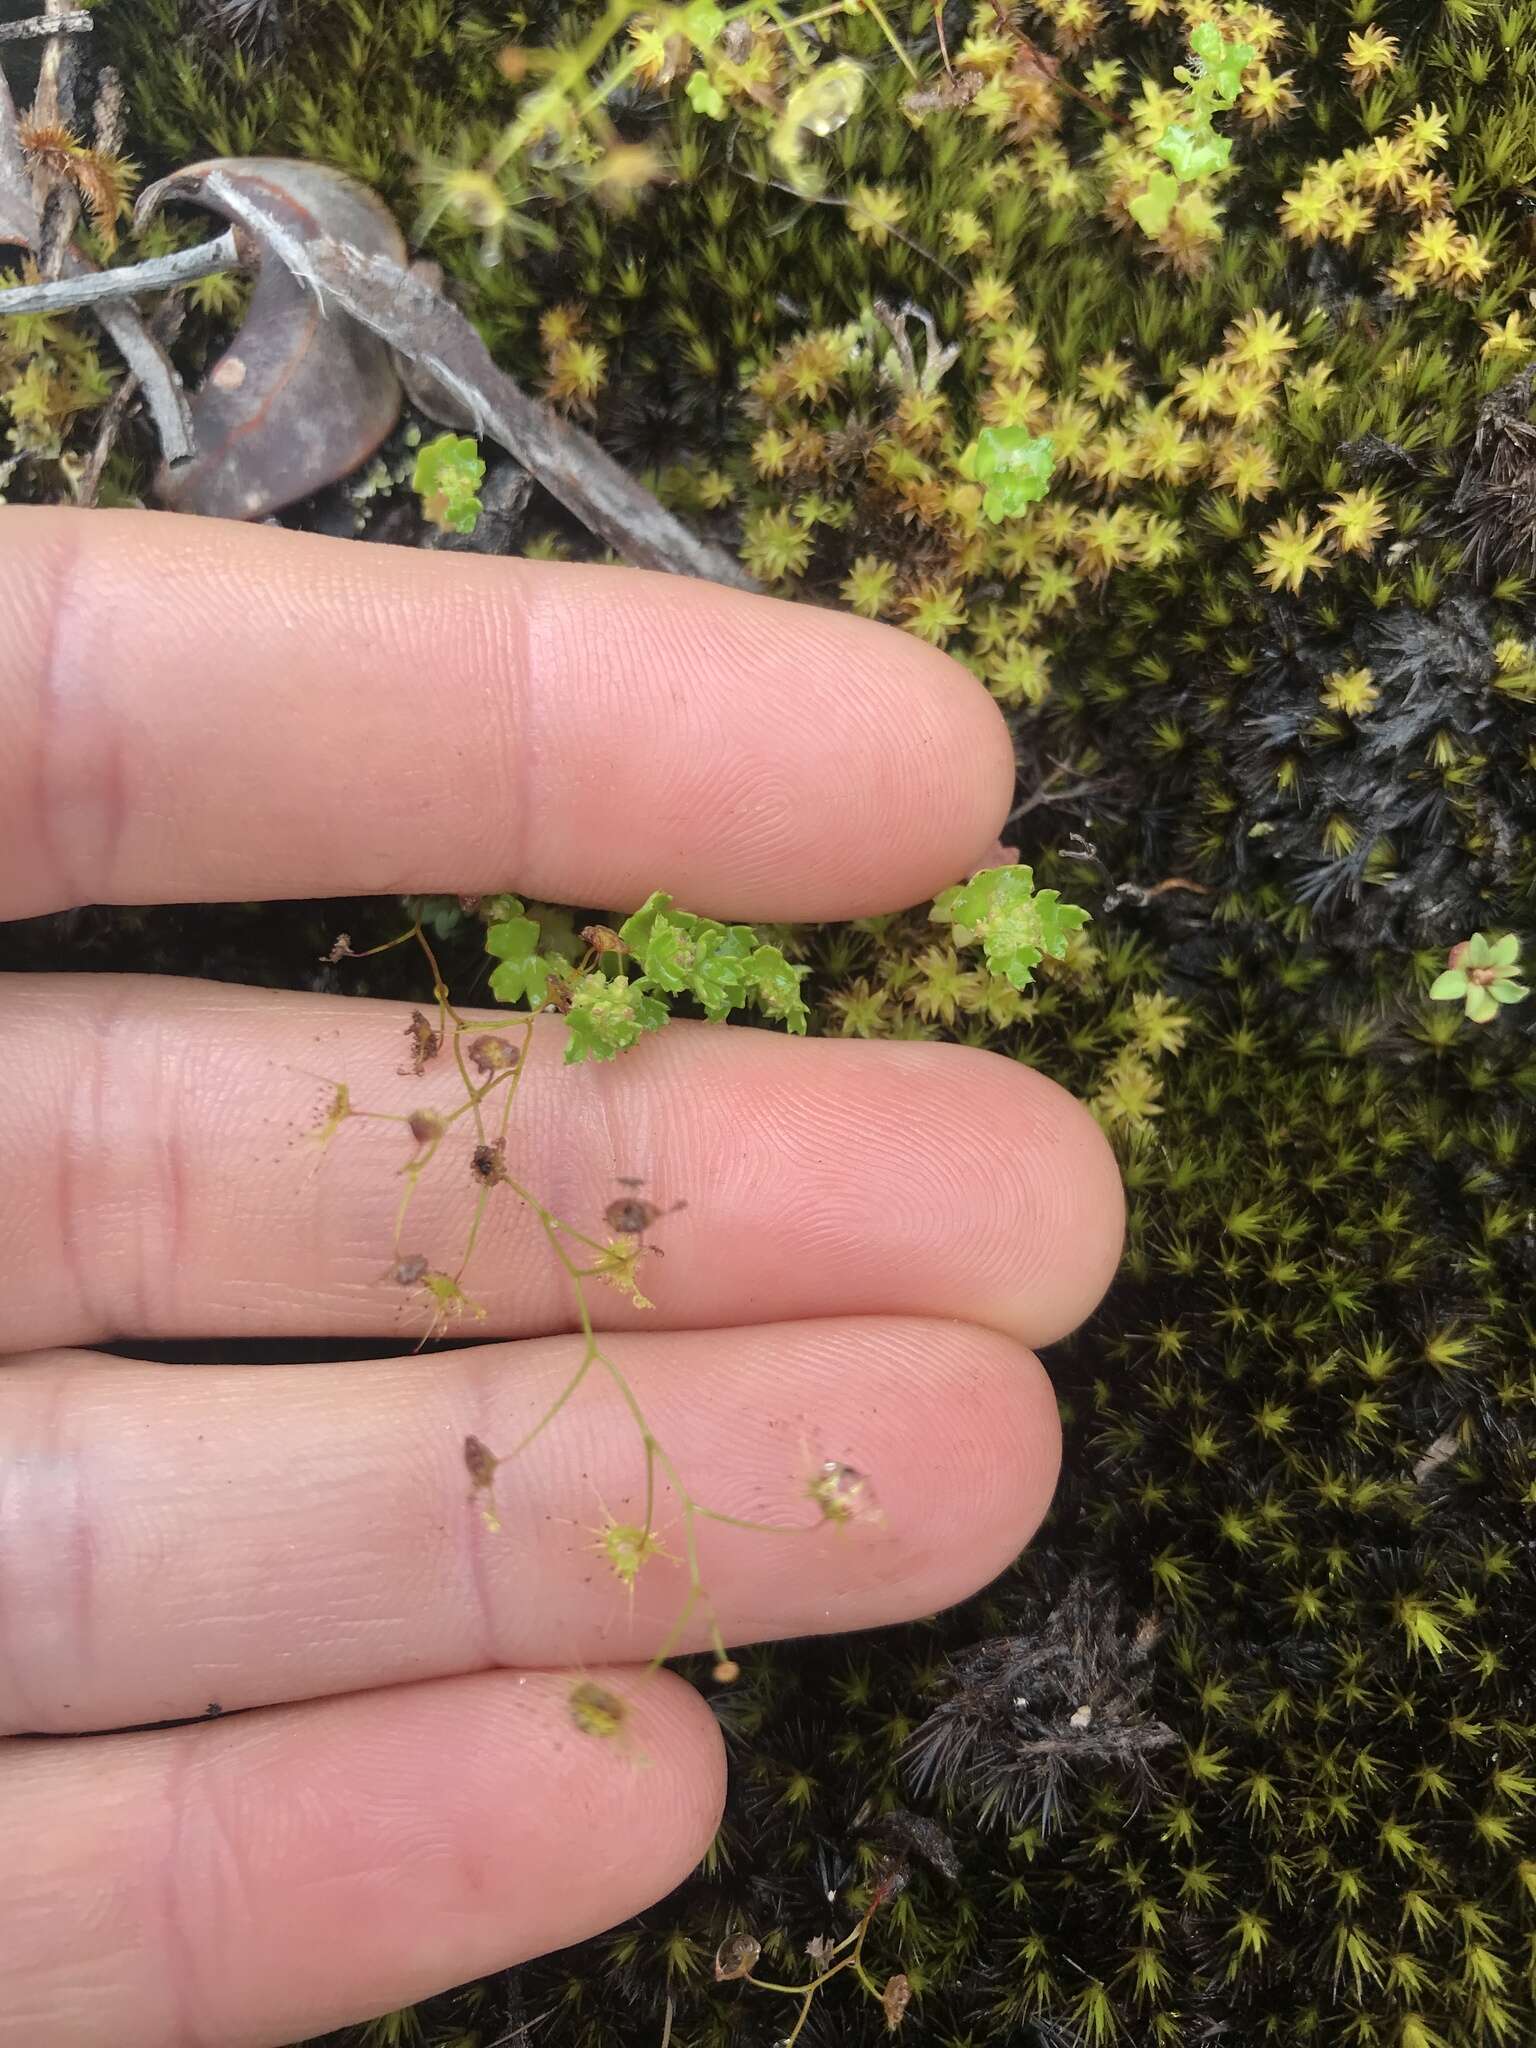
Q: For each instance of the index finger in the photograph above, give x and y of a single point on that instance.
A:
(199, 710)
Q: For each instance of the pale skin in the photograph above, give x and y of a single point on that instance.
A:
(875, 1239)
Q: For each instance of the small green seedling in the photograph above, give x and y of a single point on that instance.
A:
(1482, 973)
(1152, 208)
(617, 995)
(1190, 146)
(1016, 925)
(1194, 153)
(704, 96)
(1016, 468)
(448, 474)
(1217, 77)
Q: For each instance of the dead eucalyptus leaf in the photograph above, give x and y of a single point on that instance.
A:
(304, 394)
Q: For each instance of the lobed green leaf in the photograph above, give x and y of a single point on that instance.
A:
(1017, 925)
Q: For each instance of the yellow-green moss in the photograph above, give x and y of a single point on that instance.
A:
(1267, 644)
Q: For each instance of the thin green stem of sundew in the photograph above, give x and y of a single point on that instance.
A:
(654, 1455)
(822, 13)
(874, 8)
(806, 1993)
(589, 1359)
(607, 86)
(650, 1484)
(564, 67)
(787, 28)
(575, 64)
(566, 1241)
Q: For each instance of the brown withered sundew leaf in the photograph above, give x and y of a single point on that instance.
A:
(303, 394)
(479, 1462)
(895, 1999)
(736, 1957)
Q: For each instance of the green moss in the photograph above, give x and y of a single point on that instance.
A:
(1267, 470)
(1267, 642)
(1300, 1434)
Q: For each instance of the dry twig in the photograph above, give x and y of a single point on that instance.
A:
(18, 209)
(130, 281)
(76, 22)
(162, 388)
(21, 222)
(164, 328)
(53, 104)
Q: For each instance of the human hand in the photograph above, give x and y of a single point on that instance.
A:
(875, 1235)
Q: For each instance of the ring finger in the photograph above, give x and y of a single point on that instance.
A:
(172, 1537)
(264, 1878)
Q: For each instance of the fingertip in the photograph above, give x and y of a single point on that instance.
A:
(941, 759)
(847, 768)
(609, 1781)
(272, 1875)
(1030, 1421)
(666, 1718)
(1092, 1221)
(1055, 1160)
(994, 1455)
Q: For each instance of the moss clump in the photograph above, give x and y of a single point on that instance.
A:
(1269, 644)
(1300, 1454)
(1287, 451)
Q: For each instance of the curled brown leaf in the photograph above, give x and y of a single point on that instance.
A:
(304, 393)
(895, 1999)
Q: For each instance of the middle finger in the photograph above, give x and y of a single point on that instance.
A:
(156, 1182)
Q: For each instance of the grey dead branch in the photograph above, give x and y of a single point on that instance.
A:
(54, 102)
(22, 225)
(130, 281)
(18, 209)
(75, 23)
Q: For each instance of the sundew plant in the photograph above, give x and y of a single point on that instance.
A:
(611, 990)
